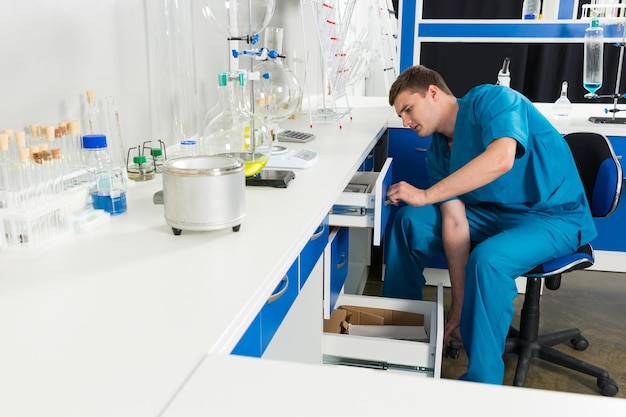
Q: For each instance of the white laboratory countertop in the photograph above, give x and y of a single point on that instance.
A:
(240, 386)
(112, 322)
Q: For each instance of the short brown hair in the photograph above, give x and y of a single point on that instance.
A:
(417, 79)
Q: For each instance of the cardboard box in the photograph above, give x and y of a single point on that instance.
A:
(376, 322)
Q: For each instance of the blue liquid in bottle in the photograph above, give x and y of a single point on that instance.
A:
(113, 203)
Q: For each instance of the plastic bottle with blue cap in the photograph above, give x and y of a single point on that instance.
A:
(107, 180)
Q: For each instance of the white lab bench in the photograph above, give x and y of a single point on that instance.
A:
(111, 322)
(128, 318)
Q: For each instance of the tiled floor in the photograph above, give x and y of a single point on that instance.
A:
(595, 302)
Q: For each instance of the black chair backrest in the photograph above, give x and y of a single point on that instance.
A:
(599, 169)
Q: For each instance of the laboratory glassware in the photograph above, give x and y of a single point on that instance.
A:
(173, 89)
(593, 57)
(108, 182)
(238, 19)
(332, 19)
(562, 106)
(111, 118)
(235, 131)
(531, 9)
(94, 118)
(277, 93)
(504, 75)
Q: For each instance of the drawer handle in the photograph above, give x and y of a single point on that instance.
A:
(420, 149)
(343, 260)
(319, 232)
(280, 291)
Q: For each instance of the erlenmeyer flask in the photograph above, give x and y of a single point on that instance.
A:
(235, 131)
(277, 94)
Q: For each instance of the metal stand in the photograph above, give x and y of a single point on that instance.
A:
(615, 96)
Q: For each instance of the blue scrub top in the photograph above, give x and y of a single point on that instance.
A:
(544, 177)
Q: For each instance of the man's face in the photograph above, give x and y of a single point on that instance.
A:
(417, 112)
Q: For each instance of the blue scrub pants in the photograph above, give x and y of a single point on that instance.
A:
(508, 245)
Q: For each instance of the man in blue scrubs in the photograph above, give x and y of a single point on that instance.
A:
(502, 178)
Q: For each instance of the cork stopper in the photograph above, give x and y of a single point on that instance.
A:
(90, 96)
(33, 149)
(4, 142)
(49, 133)
(34, 130)
(24, 154)
(20, 139)
(56, 153)
(74, 127)
(9, 133)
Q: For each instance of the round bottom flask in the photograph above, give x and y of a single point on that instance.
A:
(236, 132)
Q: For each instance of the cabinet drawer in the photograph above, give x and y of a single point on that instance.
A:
(365, 209)
(313, 250)
(278, 305)
(260, 332)
(390, 354)
(336, 265)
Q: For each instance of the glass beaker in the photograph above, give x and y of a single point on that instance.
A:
(277, 94)
(238, 18)
(235, 131)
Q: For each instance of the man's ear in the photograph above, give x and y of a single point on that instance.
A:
(433, 91)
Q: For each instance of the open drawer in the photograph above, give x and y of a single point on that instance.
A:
(422, 357)
(363, 202)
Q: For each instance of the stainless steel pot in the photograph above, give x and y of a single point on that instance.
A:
(203, 193)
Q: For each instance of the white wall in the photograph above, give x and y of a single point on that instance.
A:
(51, 52)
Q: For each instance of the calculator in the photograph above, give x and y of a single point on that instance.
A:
(294, 136)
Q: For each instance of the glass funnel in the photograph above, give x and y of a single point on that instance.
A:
(238, 18)
(235, 131)
(277, 94)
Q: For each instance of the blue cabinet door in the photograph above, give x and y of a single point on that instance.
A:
(339, 263)
(313, 250)
(278, 305)
(250, 342)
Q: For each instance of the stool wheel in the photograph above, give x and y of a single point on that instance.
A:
(608, 387)
(580, 342)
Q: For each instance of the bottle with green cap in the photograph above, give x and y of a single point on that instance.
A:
(142, 169)
(158, 159)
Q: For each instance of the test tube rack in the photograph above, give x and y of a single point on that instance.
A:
(31, 220)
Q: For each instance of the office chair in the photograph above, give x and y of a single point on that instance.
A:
(601, 175)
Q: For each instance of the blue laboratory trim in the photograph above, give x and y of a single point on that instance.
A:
(539, 30)
(407, 36)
